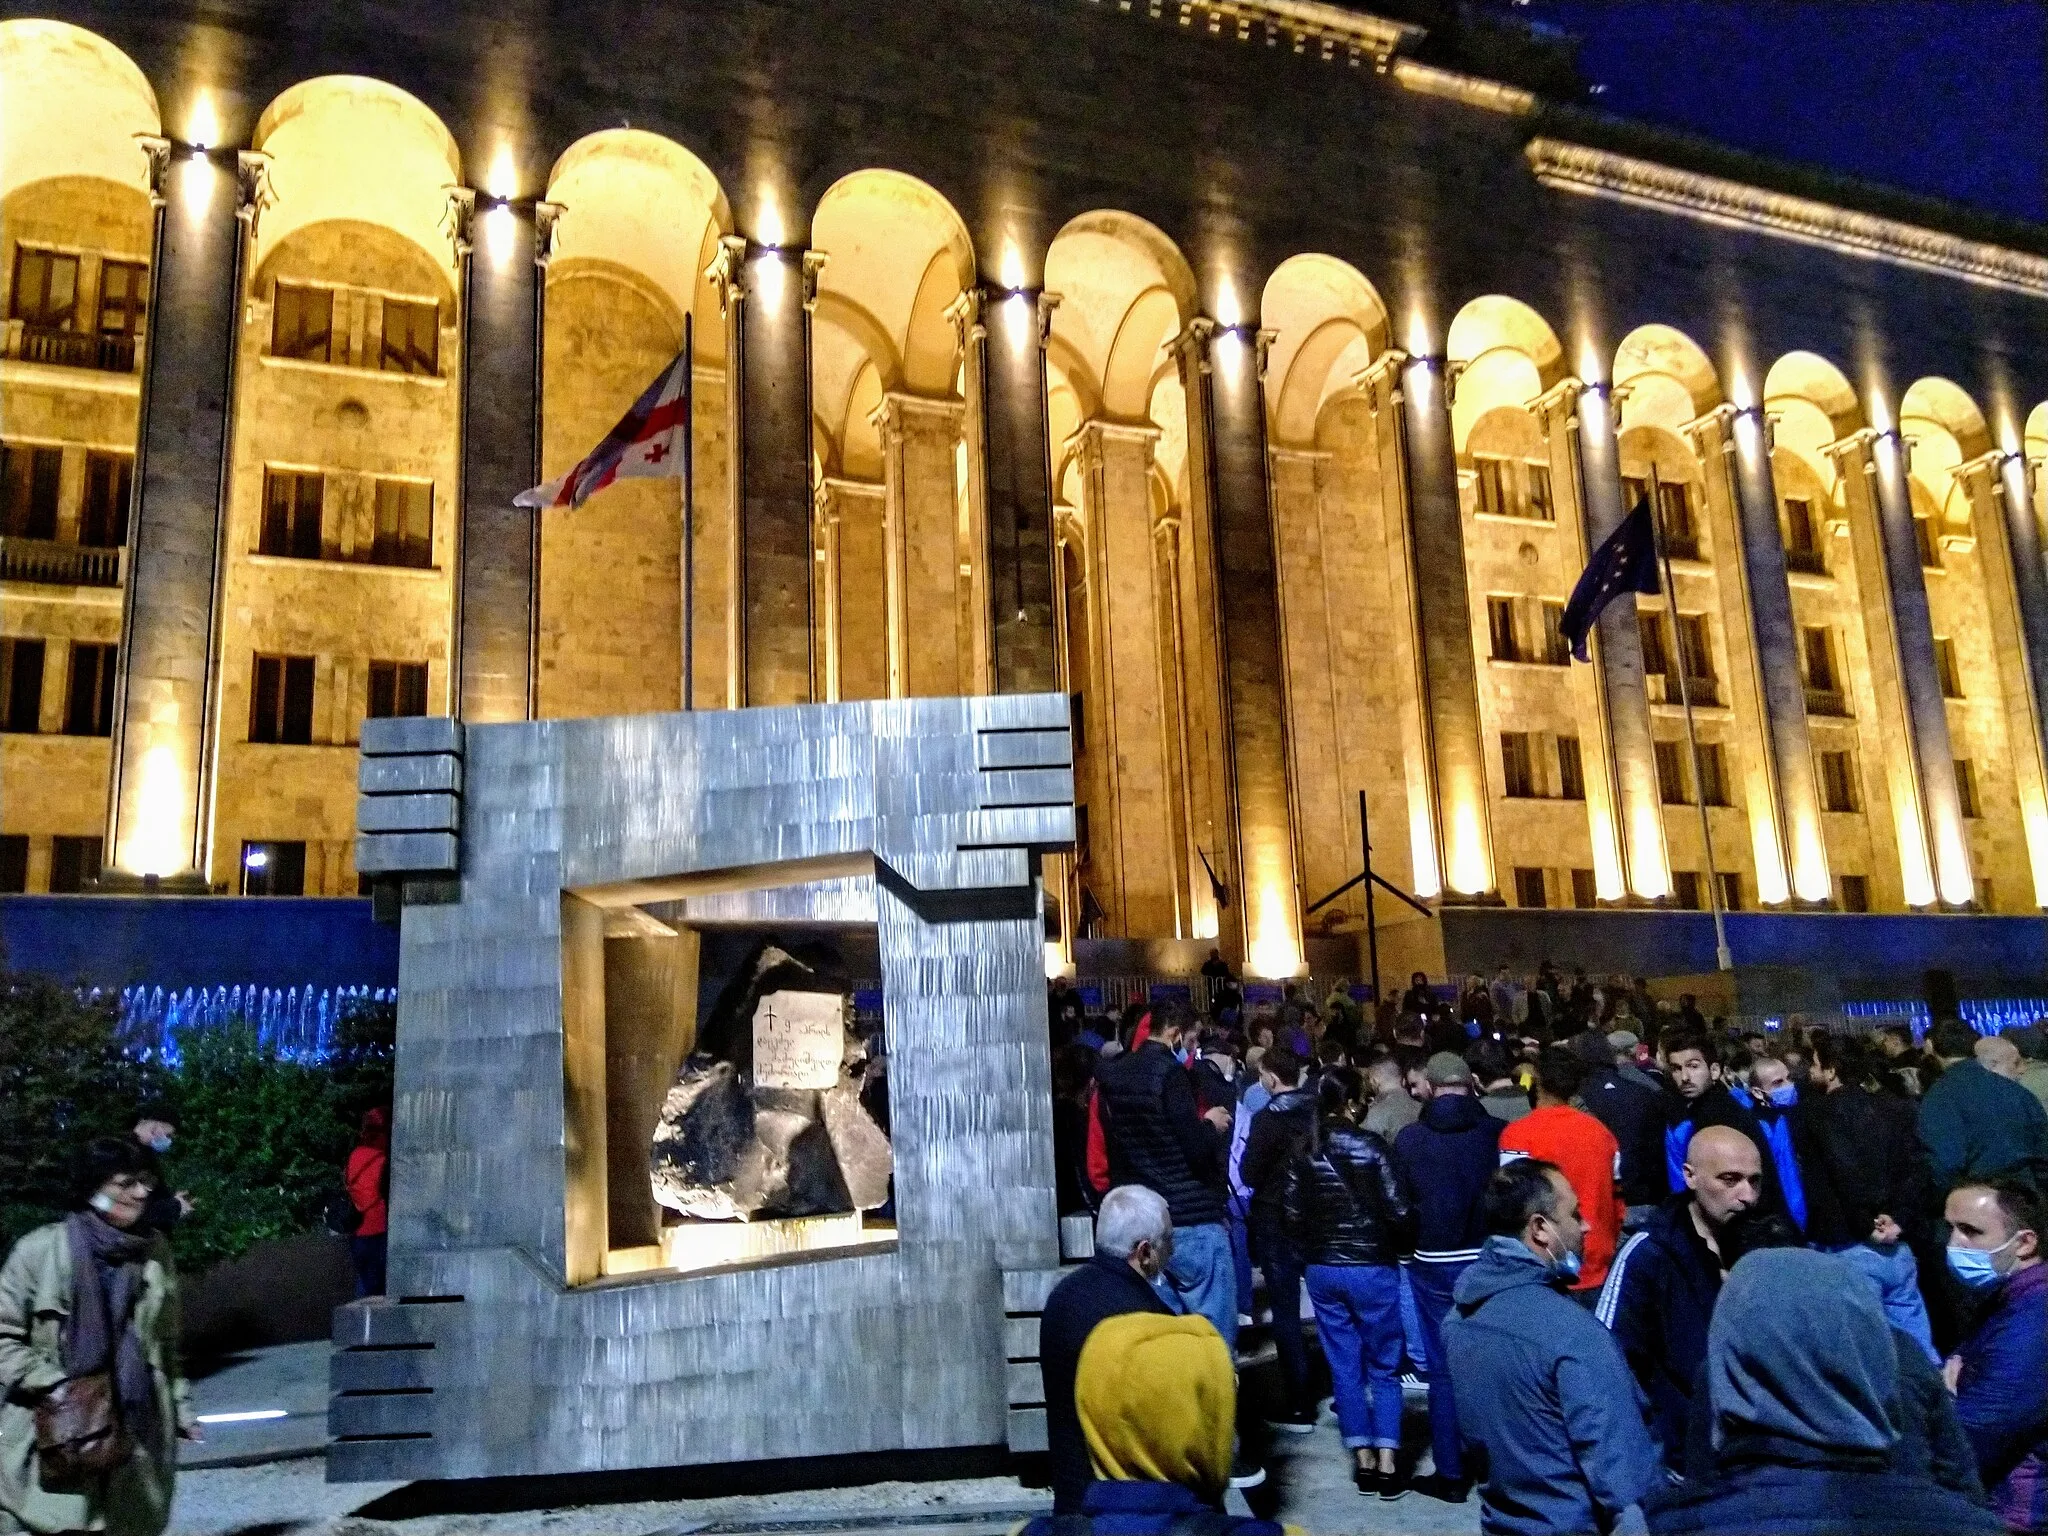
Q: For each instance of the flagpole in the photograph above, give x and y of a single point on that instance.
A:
(1722, 956)
(689, 518)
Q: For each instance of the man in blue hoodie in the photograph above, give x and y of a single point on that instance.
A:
(1541, 1385)
(1447, 1156)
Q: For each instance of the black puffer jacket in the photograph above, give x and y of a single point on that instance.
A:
(1155, 1134)
(1344, 1202)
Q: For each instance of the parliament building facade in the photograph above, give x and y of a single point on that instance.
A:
(1254, 372)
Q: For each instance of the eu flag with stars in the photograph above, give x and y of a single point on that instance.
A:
(1627, 562)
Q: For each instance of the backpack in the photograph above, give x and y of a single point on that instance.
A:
(340, 1215)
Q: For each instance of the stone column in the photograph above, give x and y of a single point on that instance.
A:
(769, 366)
(2019, 536)
(1756, 605)
(1015, 443)
(1134, 827)
(159, 809)
(858, 576)
(1919, 676)
(498, 580)
(1626, 810)
(1449, 672)
(920, 443)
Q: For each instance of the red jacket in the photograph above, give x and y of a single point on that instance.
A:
(1590, 1159)
(364, 1177)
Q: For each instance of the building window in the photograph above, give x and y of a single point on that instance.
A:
(103, 518)
(281, 700)
(1542, 506)
(1529, 890)
(1571, 769)
(1584, 893)
(1080, 835)
(1635, 490)
(1686, 889)
(302, 323)
(1656, 654)
(45, 289)
(1838, 781)
(1557, 650)
(89, 705)
(1518, 774)
(397, 688)
(124, 299)
(1823, 681)
(13, 864)
(1675, 517)
(1713, 774)
(1855, 893)
(273, 869)
(1966, 788)
(1495, 496)
(1803, 550)
(28, 491)
(1923, 535)
(21, 686)
(1731, 891)
(1500, 627)
(292, 501)
(1671, 786)
(412, 337)
(74, 864)
(405, 524)
(1696, 648)
(1945, 667)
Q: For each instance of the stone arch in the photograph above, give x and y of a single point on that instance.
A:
(348, 149)
(1811, 404)
(1501, 352)
(63, 85)
(1946, 429)
(1328, 324)
(1665, 377)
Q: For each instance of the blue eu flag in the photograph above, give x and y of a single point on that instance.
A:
(1627, 562)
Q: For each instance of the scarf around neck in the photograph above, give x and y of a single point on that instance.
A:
(100, 1335)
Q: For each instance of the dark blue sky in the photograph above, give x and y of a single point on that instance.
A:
(1947, 97)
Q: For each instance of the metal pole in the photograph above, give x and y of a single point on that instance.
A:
(1372, 925)
(1722, 957)
(689, 517)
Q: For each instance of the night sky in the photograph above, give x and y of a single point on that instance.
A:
(1945, 97)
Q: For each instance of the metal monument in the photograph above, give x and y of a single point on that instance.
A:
(558, 878)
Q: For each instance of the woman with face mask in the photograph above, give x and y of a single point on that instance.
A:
(2000, 1372)
(89, 1315)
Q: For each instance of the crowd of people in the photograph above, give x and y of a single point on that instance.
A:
(1651, 1272)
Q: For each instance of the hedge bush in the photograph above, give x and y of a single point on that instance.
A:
(261, 1138)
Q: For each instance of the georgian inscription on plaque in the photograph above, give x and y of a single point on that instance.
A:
(799, 1039)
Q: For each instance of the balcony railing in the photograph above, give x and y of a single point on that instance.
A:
(1703, 692)
(1827, 701)
(1682, 546)
(70, 349)
(61, 565)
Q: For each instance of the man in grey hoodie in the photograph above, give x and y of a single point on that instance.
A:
(1539, 1383)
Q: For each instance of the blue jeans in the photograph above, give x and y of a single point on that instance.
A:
(1281, 1264)
(1201, 1277)
(1896, 1277)
(1433, 1282)
(1358, 1313)
(1411, 1322)
(1241, 1254)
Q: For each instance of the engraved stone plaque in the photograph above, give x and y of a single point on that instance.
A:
(799, 1039)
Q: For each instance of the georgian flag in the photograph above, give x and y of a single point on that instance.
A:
(648, 443)
(1626, 562)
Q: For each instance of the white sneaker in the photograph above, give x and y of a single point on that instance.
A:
(1410, 1382)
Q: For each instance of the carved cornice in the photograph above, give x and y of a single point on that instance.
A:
(1332, 32)
(1601, 173)
(727, 270)
(1470, 90)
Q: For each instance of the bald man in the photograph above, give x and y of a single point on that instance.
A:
(1660, 1291)
(1998, 1055)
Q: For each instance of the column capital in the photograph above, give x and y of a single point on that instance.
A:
(547, 219)
(813, 264)
(1191, 347)
(966, 314)
(1093, 433)
(1380, 380)
(901, 413)
(727, 269)
(1856, 445)
(157, 149)
(252, 186)
(1560, 401)
(1712, 430)
(460, 219)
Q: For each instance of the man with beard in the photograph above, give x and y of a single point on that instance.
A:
(1691, 1100)
(1660, 1291)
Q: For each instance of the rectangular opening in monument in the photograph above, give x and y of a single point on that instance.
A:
(727, 1091)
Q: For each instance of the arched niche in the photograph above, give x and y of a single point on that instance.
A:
(1664, 378)
(1811, 404)
(1502, 353)
(1328, 324)
(1946, 429)
(1125, 291)
(71, 105)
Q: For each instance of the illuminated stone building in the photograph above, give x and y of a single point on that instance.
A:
(1239, 367)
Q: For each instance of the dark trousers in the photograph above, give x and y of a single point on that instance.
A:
(1282, 1267)
(1433, 1284)
(366, 1254)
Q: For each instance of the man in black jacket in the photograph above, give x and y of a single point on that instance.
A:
(1660, 1290)
(1280, 1131)
(1156, 1136)
(1133, 1241)
(1694, 1098)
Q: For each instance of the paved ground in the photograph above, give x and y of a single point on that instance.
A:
(266, 1478)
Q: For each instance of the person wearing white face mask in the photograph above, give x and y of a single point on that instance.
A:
(155, 1128)
(2000, 1372)
(1540, 1384)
